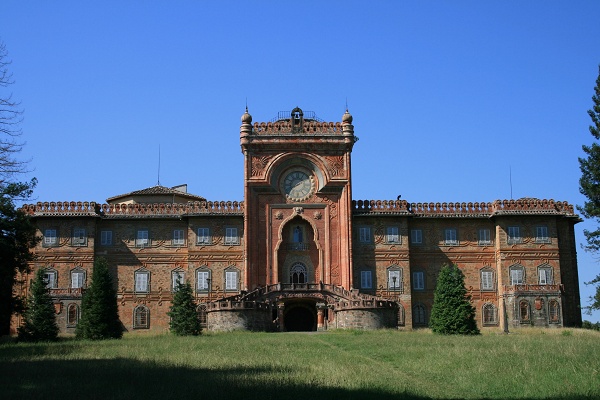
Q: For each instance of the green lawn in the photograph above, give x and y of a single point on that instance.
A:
(528, 364)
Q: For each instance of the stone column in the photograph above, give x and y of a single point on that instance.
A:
(321, 307)
(280, 308)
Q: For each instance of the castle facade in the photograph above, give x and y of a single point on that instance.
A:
(300, 254)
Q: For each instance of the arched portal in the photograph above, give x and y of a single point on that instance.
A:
(300, 317)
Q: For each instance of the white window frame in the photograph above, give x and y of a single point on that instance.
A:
(142, 238)
(50, 237)
(450, 237)
(231, 236)
(51, 278)
(545, 275)
(77, 278)
(416, 236)
(106, 238)
(487, 279)
(364, 234)
(541, 234)
(484, 237)
(392, 235)
(231, 280)
(513, 234)
(366, 279)
(516, 275)
(79, 237)
(418, 280)
(203, 236)
(203, 277)
(142, 281)
(394, 272)
(178, 237)
(177, 276)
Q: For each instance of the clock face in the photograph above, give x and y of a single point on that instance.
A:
(297, 185)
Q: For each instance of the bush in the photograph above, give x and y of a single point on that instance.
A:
(184, 318)
(40, 315)
(452, 313)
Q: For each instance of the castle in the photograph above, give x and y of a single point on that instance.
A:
(300, 254)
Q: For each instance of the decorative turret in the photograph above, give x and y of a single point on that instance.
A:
(246, 128)
(347, 127)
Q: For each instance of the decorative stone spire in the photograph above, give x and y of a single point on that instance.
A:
(347, 127)
(246, 128)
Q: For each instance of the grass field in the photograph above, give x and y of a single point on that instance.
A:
(529, 364)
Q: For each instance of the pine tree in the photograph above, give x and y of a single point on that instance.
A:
(589, 186)
(99, 309)
(452, 312)
(39, 316)
(184, 318)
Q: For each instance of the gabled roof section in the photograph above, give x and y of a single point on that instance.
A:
(156, 194)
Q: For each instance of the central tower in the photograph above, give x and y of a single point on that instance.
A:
(297, 194)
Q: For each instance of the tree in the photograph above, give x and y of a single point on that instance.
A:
(184, 319)
(99, 309)
(10, 120)
(18, 237)
(452, 312)
(39, 316)
(589, 186)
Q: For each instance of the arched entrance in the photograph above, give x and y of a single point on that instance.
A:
(300, 317)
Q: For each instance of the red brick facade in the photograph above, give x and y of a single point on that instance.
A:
(299, 253)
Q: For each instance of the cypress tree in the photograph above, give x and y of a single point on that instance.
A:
(589, 186)
(184, 318)
(99, 309)
(452, 313)
(39, 316)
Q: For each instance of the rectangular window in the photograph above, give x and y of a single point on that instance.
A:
(77, 278)
(450, 237)
(392, 235)
(366, 279)
(178, 277)
(231, 236)
(79, 237)
(545, 276)
(514, 234)
(105, 238)
(487, 280)
(50, 279)
(142, 238)
(541, 234)
(394, 279)
(178, 239)
(484, 237)
(364, 234)
(231, 280)
(516, 276)
(419, 280)
(203, 236)
(141, 282)
(416, 236)
(50, 237)
(202, 280)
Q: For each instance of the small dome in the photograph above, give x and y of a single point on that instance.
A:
(246, 118)
(347, 117)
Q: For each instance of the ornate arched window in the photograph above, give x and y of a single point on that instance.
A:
(489, 314)
(72, 314)
(553, 312)
(141, 317)
(419, 315)
(298, 273)
(524, 311)
(203, 315)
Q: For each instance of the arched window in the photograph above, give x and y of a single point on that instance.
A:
(553, 312)
(202, 315)
(489, 314)
(419, 315)
(298, 273)
(524, 311)
(298, 235)
(400, 315)
(141, 317)
(72, 314)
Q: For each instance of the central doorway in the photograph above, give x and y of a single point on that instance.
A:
(300, 317)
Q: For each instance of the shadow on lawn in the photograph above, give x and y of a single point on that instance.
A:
(132, 379)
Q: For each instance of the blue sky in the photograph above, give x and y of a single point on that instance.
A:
(448, 97)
